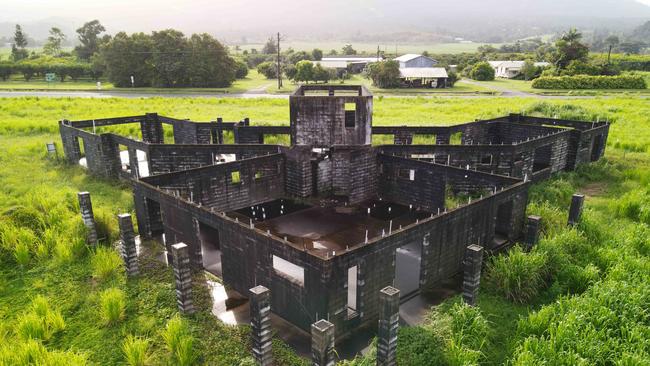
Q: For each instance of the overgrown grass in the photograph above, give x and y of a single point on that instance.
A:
(112, 306)
(591, 273)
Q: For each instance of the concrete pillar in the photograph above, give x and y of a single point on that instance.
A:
(472, 273)
(388, 326)
(533, 226)
(128, 249)
(86, 208)
(50, 148)
(260, 307)
(575, 212)
(322, 343)
(403, 138)
(183, 276)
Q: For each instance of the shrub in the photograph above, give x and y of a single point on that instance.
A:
(518, 276)
(135, 350)
(112, 306)
(268, 69)
(590, 82)
(6, 69)
(384, 74)
(40, 322)
(106, 264)
(179, 341)
(242, 70)
(419, 346)
(482, 71)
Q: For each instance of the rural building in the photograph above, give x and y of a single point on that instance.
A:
(350, 64)
(418, 71)
(414, 60)
(330, 220)
(511, 69)
(424, 77)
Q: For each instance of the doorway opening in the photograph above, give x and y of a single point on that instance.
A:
(210, 249)
(407, 269)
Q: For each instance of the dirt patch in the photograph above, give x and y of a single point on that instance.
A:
(594, 189)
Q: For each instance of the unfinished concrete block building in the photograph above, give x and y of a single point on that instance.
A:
(332, 219)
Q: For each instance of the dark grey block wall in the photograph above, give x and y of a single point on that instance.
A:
(320, 120)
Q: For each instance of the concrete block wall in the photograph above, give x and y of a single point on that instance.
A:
(260, 179)
(320, 120)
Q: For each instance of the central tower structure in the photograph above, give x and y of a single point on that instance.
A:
(325, 116)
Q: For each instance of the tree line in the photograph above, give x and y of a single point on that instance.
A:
(165, 58)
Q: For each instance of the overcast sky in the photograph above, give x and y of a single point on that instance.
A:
(297, 16)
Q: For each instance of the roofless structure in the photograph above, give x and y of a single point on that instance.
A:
(332, 219)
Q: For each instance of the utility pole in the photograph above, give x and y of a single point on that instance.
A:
(279, 69)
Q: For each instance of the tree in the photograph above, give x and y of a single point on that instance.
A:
(348, 50)
(208, 63)
(319, 73)
(317, 54)
(268, 69)
(242, 69)
(576, 67)
(529, 70)
(88, 36)
(569, 48)
(304, 71)
(332, 52)
(18, 51)
(54, 42)
(384, 74)
(482, 71)
(171, 57)
(270, 47)
(125, 56)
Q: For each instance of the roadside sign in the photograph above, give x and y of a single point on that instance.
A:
(50, 77)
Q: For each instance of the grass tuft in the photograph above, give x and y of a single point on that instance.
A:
(112, 306)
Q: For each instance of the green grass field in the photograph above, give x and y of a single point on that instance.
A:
(253, 81)
(583, 298)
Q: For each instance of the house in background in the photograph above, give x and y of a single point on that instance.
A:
(349, 64)
(414, 60)
(511, 69)
(418, 71)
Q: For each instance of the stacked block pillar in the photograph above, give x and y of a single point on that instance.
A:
(128, 249)
(86, 208)
(472, 273)
(575, 212)
(388, 326)
(260, 308)
(183, 277)
(322, 343)
(533, 226)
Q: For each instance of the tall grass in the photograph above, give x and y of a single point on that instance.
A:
(32, 352)
(112, 306)
(40, 322)
(106, 264)
(135, 350)
(179, 341)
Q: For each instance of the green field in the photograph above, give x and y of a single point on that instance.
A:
(253, 81)
(582, 298)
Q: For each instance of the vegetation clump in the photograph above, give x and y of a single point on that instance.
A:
(112, 306)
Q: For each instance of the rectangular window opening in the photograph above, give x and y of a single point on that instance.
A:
(288, 270)
(258, 175)
(352, 290)
(486, 159)
(350, 115)
(235, 177)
